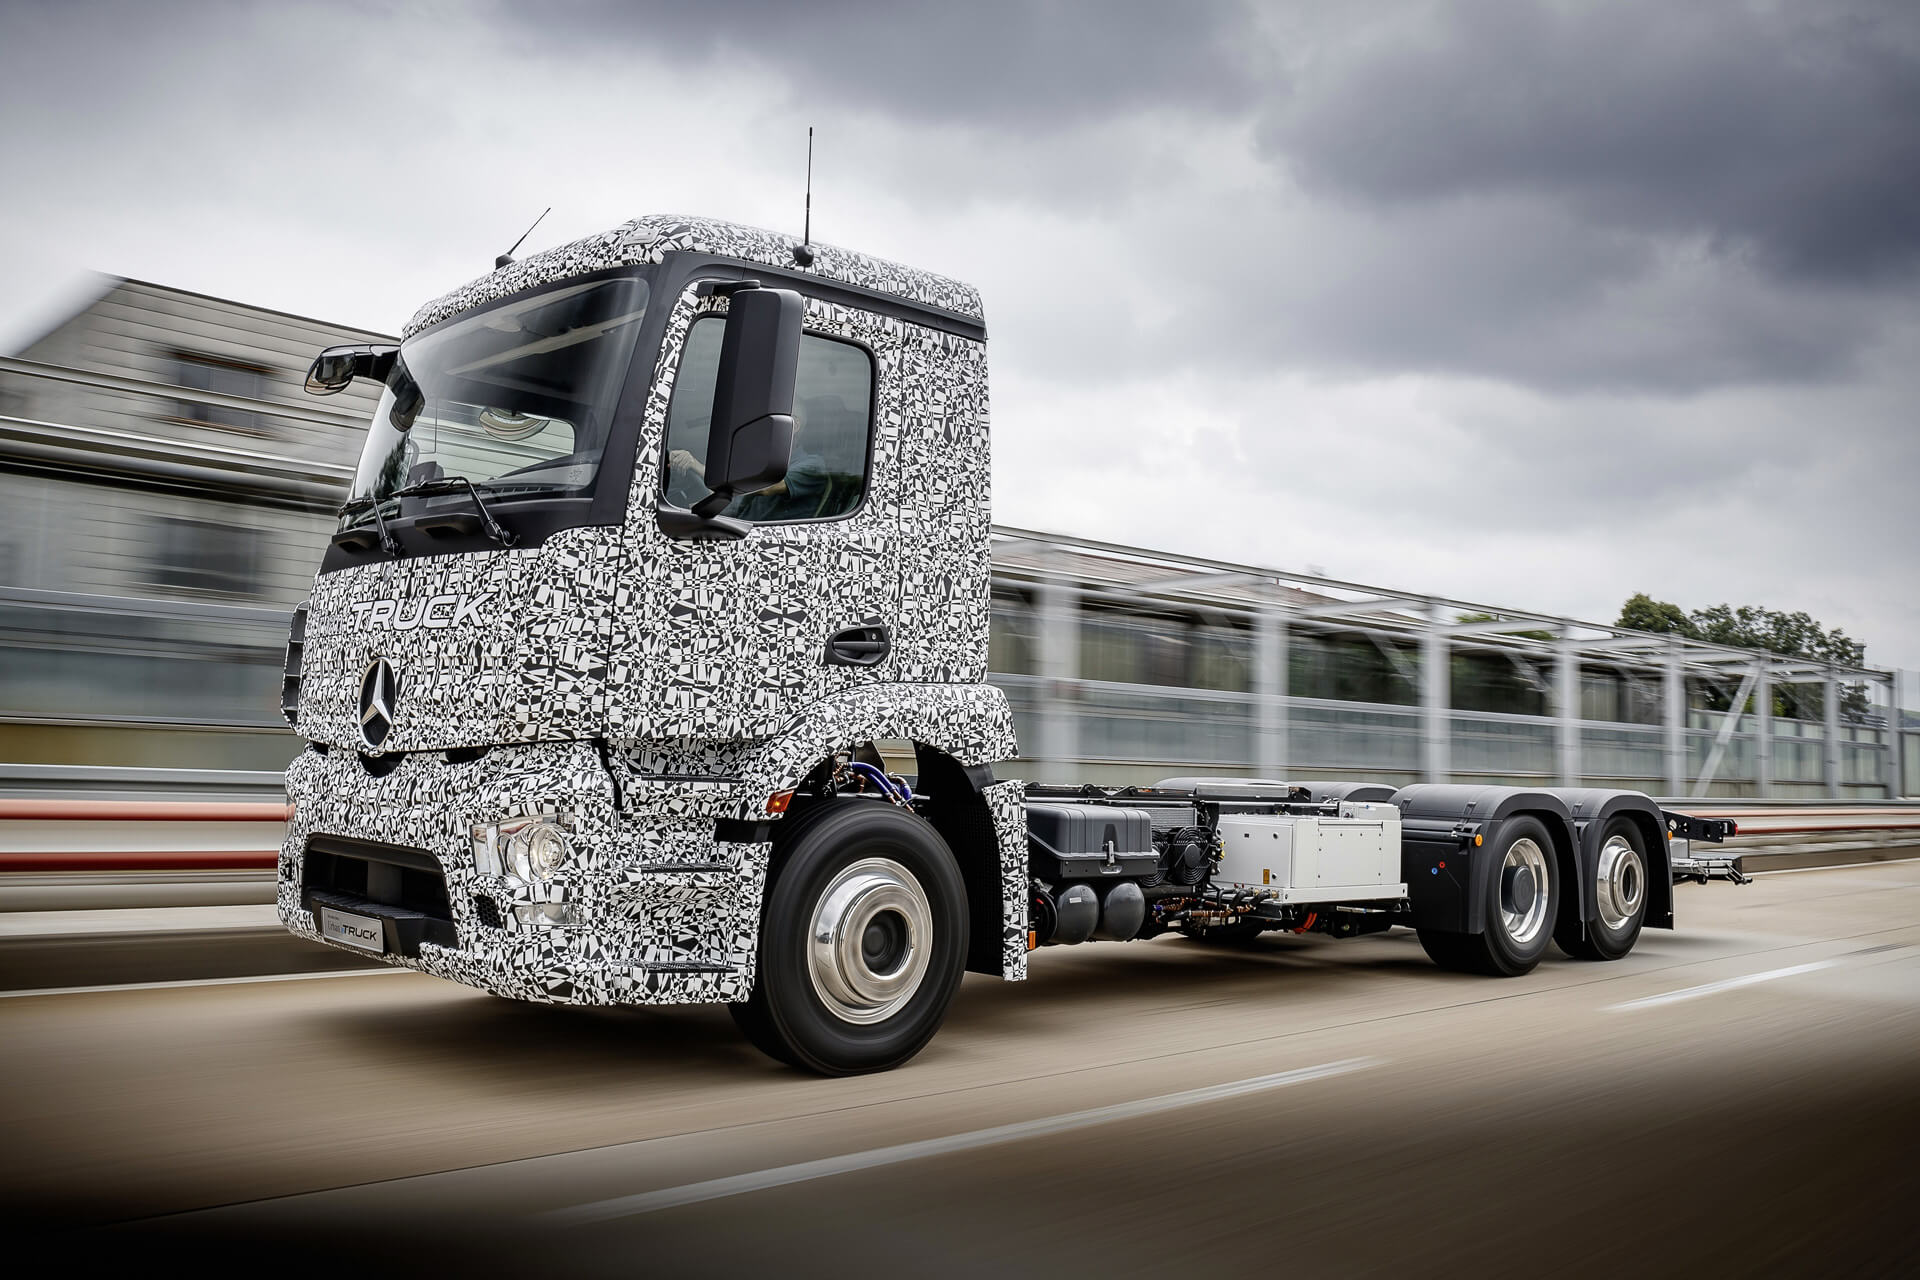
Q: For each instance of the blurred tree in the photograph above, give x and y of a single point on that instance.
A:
(1792, 635)
(1643, 613)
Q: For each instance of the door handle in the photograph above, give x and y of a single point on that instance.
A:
(858, 647)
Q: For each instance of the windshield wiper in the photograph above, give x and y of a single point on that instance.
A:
(453, 484)
(355, 537)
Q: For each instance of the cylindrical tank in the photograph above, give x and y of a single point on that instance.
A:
(1122, 912)
(1077, 914)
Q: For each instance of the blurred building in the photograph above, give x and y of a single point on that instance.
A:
(166, 490)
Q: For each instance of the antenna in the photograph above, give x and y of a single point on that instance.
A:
(803, 252)
(507, 257)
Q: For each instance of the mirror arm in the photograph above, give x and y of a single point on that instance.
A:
(677, 522)
(723, 288)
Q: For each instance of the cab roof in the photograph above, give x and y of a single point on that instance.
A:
(650, 238)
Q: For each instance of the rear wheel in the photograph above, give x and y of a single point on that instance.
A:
(1620, 898)
(1522, 902)
(862, 941)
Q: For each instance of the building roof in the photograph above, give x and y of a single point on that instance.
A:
(651, 238)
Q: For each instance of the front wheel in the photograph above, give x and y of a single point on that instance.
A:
(1620, 898)
(862, 941)
(1522, 902)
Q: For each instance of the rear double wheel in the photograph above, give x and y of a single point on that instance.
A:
(1620, 898)
(1521, 901)
(862, 941)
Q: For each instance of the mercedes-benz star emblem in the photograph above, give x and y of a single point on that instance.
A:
(379, 693)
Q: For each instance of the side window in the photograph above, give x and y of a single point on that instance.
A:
(832, 430)
(198, 372)
(199, 555)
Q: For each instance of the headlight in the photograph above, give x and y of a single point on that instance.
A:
(536, 851)
(532, 848)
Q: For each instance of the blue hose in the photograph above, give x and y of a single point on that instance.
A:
(899, 792)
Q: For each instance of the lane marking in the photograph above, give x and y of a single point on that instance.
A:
(198, 982)
(807, 1171)
(1725, 984)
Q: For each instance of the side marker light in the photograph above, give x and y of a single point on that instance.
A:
(777, 802)
(1478, 840)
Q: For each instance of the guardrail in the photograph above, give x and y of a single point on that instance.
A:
(57, 834)
(62, 835)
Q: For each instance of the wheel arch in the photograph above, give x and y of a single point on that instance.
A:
(1439, 822)
(958, 732)
(1593, 809)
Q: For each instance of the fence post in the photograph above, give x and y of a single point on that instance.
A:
(1436, 720)
(1059, 670)
(1830, 713)
(1674, 705)
(1566, 684)
(1270, 689)
(1763, 731)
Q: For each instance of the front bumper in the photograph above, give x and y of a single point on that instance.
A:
(663, 910)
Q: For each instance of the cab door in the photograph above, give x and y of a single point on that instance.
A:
(730, 639)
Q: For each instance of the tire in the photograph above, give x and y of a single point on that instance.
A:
(862, 1003)
(1520, 911)
(1620, 896)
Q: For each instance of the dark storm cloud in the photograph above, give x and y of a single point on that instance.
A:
(1635, 196)
(1001, 64)
(1789, 132)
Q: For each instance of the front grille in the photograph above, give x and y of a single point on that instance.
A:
(487, 911)
(387, 874)
(401, 886)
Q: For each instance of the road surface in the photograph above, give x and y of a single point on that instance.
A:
(1742, 1095)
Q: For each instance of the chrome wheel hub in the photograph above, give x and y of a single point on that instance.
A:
(1621, 883)
(870, 941)
(1523, 891)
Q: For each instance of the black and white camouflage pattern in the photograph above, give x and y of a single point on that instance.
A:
(668, 912)
(687, 658)
(651, 238)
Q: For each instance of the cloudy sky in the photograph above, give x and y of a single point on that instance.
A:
(1539, 304)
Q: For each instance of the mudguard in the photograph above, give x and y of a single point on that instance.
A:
(1445, 871)
(1357, 792)
(1592, 810)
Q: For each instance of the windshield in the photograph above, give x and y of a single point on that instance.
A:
(516, 399)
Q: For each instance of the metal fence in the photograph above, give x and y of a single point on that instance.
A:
(1131, 733)
(1312, 678)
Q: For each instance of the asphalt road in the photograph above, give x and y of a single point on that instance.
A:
(1739, 1096)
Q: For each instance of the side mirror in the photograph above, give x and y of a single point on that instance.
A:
(751, 439)
(335, 367)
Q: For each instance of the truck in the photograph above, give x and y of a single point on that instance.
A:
(648, 664)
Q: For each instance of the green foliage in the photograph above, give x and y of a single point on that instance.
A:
(1792, 635)
(1643, 613)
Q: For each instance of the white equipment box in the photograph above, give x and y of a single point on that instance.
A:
(1352, 858)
